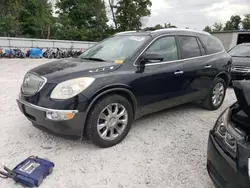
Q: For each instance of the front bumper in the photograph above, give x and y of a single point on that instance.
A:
(67, 128)
(223, 170)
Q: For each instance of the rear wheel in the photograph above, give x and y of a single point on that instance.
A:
(109, 121)
(216, 95)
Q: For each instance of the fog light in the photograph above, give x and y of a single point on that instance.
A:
(59, 115)
(230, 140)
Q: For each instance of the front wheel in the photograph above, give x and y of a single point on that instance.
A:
(216, 95)
(109, 121)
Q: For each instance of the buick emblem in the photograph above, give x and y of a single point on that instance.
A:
(26, 81)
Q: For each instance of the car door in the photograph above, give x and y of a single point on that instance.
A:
(197, 70)
(159, 86)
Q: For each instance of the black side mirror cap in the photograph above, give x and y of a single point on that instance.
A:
(150, 56)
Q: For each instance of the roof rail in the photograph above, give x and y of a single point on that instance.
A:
(179, 29)
(124, 32)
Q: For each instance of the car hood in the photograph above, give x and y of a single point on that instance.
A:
(242, 92)
(65, 69)
(241, 61)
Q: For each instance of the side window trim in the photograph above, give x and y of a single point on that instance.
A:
(178, 47)
(202, 45)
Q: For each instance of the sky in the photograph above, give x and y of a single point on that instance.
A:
(195, 14)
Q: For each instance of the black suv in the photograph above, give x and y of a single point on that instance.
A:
(240, 61)
(131, 74)
(228, 155)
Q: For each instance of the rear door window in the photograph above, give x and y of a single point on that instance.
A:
(213, 45)
(189, 47)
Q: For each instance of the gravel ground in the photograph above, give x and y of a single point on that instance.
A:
(163, 150)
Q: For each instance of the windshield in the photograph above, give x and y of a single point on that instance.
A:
(116, 48)
(240, 51)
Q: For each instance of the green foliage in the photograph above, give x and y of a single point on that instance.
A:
(159, 26)
(9, 23)
(217, 26)
(169, 25)
(207, 29)
(129, 13)
(233, 23)
(246, 22)
(84, 20)
(35, 18)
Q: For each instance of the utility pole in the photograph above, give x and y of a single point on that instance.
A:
(111, 4)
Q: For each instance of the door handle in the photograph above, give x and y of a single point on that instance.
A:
(208, 66)
(178, 72)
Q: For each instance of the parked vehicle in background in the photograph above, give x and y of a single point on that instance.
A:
(241, 61)
(131, 74)
(228, 155)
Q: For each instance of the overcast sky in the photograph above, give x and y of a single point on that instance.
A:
(195, 14)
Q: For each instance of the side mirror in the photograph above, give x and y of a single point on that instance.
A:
(150, 57)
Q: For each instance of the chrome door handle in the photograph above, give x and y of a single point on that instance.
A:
(208, 66)
(178, 72)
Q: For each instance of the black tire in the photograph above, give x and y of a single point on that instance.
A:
(207, 102)
(91, 132)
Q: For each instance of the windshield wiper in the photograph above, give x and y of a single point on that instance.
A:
(93, 59)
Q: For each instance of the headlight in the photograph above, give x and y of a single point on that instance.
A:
(71, 88)
(227, 134)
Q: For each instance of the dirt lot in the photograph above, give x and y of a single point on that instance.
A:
(163, 150)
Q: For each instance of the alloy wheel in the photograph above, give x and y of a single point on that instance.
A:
(218, 94)
(112, 121)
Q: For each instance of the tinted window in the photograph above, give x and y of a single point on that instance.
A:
(201, 47)
(189, 47)
(212, 44)
(240, 51)
(165, 46)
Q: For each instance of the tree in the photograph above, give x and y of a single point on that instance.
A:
(246, 22)
(130, 12)
(158, 26)
(169, 25)
(9, 13)
(83, 20)
(35, 18)
(233, 23)
(217, 26)
(207, 29)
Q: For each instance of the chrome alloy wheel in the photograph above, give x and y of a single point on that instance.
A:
(112, 121)
(218, 94)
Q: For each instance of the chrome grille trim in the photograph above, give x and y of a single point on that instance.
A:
(240, 69)
(43, 84)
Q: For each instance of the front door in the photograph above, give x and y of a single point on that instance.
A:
(159, 86)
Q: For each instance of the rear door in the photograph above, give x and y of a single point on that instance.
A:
(195, 67)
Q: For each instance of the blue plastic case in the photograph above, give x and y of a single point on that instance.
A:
(32, 171)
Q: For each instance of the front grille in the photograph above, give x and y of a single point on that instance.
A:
(240, 69)
(32, 84)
